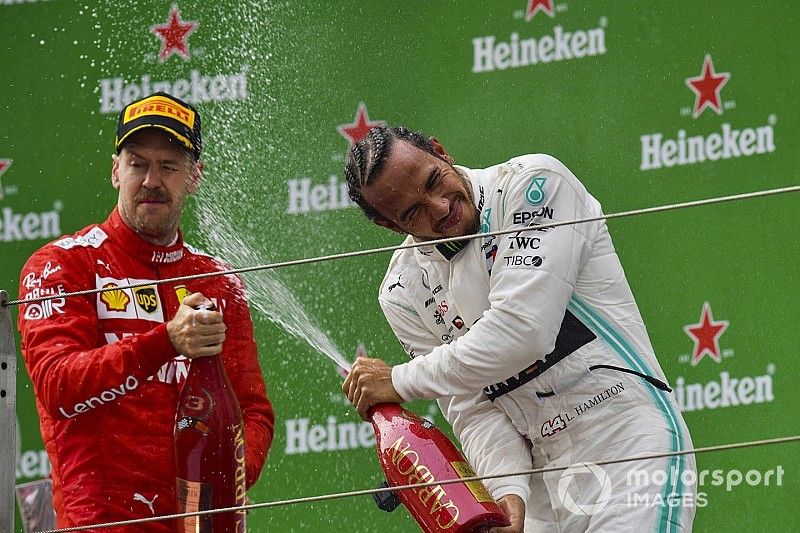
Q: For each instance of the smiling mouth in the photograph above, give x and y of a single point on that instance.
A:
(453, 218)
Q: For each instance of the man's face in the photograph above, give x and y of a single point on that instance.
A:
(421, 194)
(153, 175)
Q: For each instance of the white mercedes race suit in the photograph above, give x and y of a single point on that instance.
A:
(536, 351)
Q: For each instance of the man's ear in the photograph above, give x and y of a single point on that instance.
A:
(388, 224)
(115, 171)
(440, 151)
(194, 176)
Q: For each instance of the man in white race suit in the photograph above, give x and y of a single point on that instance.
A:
(531, 342)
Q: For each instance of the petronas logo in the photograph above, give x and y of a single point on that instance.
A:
(535, 193)
(115, 300)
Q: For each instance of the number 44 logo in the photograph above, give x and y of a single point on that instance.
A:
(553, 426)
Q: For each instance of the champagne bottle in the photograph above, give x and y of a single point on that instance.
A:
(209, 450)
(412, 450)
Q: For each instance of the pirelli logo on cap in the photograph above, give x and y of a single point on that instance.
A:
(158, 105)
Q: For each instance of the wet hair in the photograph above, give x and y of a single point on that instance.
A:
(366, 160)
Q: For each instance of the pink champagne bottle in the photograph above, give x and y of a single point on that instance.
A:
(412, 450)
(210, 450)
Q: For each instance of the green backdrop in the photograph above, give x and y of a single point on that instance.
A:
(607, 87)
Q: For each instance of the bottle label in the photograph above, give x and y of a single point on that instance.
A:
(241, 478)
(195, 409)
(475, 487)
(195, 496)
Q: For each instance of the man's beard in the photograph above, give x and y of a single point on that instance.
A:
(156, 228)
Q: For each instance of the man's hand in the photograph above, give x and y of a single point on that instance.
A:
(196, 332)
(369, 383)
(514, 508)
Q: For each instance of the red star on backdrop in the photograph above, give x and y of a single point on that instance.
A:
(4, 164)
(534, 6)
(706, 335)
(356, 131)
(174, 35)
(706, 88)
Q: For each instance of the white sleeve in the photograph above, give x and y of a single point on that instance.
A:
(532, 280)
(489, 440)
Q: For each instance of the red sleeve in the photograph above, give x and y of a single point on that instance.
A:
(240, 357)
(65, 353)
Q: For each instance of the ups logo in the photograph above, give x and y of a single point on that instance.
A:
(146, 298)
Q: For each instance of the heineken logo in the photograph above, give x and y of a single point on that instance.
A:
(664, 150)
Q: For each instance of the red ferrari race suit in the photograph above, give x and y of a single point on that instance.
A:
(107, 378)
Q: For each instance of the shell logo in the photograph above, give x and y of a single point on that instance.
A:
(115, 300)
(182, 292)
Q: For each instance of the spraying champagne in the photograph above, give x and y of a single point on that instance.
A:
(412, 450)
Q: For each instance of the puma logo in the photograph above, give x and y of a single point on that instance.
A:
(395, 284)
(140, 498)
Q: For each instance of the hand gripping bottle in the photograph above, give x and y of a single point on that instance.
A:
(209, 450)
(412, 450)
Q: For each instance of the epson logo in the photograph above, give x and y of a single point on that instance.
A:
(523, 217)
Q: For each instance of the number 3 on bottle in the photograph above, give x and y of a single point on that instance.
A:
(195, 403)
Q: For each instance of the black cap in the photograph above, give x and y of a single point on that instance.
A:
(163, 111)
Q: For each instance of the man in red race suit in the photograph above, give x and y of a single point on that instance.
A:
(108, 368)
